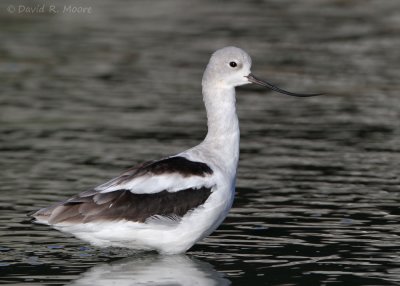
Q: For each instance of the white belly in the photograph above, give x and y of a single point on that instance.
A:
(164, 236)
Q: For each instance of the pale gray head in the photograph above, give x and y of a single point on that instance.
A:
(230, 67)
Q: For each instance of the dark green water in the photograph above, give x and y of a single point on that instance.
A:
(85, 96)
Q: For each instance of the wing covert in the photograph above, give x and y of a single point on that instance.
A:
(167, 188)
(171, 174)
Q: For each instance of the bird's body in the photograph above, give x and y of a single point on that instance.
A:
(170, 204)
(192, 203)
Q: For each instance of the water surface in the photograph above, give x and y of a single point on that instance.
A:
(82, 97)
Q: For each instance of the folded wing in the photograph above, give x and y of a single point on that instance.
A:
(167, 188)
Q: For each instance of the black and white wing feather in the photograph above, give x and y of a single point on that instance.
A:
(169, 187)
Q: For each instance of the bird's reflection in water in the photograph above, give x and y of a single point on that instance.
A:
(153, 270)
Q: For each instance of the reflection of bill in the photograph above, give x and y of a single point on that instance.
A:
(153, 270)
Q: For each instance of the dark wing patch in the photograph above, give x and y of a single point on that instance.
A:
(177, 164)
(123, 205)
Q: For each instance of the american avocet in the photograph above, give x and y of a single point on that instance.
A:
(170, 204)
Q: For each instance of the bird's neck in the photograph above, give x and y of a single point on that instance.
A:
(223, 127)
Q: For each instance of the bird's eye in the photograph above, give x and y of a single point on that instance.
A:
(233, 64)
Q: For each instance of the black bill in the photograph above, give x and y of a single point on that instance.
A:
(255, 80)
